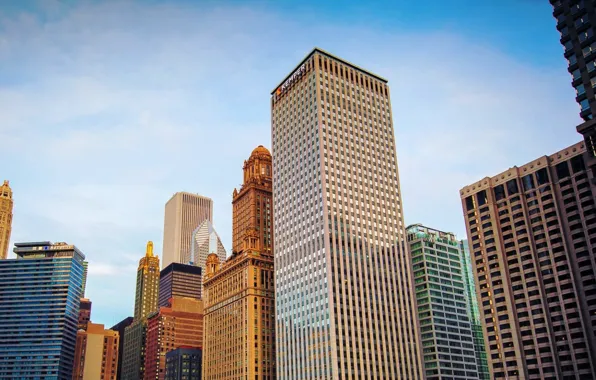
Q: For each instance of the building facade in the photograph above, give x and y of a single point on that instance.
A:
(179, 280)
(184, 363)
(473, 312)
(180, 324)
(205, 241)
(184, 212)
(39, 305)
(6, 204)
(532, 237)
(96, 354)
(253, 205)
(84, 313)
(147, 291)
(342, 273)
(120, 327)
(240, 315)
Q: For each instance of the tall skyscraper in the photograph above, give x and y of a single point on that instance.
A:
(446, 331)
(344, 289)
(6, 204)
(84, 313)
(39, 304)
(133, 358)
(96, 354)
(253, 205)
(532, 236)
(473, 312)
(240, 315)
(184, 213)
(179, 280)
(576, 21)
(205, 240)
(120, 327)
(176, 325)
(85, 271)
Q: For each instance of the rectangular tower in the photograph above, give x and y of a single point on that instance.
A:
(120, 327)
(39, 306)
(6, 204)
(344, 290)
(179, 280)
(184, 213)
(532, 237)
(96, 354)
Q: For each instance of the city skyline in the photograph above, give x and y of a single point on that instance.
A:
(121, 205)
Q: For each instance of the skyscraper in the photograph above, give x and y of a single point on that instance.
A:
(184, 213)
(133, 358)
(205, 240)
(120, 327)
(253, 205)
(96, 354)
(532, 236)
(179, 280)
(85, 271)
(344, 299)
(6, 204)
(240, 315)
(39, 304)
(446, 331)
(576, 21)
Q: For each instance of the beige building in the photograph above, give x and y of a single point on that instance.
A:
(183, 214)
(240, 315)
(344, 300)
(6, 204)
(532, 237)
(96, 354)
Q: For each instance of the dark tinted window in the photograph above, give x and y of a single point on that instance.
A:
(470, 203)
(482, 199)
(562, 170)
(499, 192)
(577, 164)
(512, 187)
(542, 176)
(528, 182)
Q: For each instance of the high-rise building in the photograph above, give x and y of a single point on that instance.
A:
(120, 327)
(84, 313)
(179, 280)
(532, 237)
(177, 325)
(473, 312)
(576, 21)
(205, 240)
(133, 358)
(446, 331)
(85, 271)
(96, 354)
(344, 289)
(184, 363)
(184, 213)
(6, 204)
(240, 315)
(39, 304)
(253, 205)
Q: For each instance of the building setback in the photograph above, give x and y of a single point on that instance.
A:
(6, 204)
(180, 324)
(184, 363)
(120, 327)
(342, 273)
(446, 331)
(184, 212)
(532, 236)
(96, 354)
(179, 280)
(39, 306)
(84, 313)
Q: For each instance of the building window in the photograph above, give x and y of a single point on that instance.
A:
(591, 66)
(562, 170)
(470, 203)
(577, 164)
(580, 90)
(528, 182)
(568, 45)
(542, 176)
(564, 31)
(512, 187)
(481, 198)
(576, 74)
(572, 59)
(585, 35)
(499, 192)
(584, 104)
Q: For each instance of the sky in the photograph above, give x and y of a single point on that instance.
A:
(109, 108)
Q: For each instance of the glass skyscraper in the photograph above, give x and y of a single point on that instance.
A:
(40, 292)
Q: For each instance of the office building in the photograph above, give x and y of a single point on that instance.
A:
(84, 313)
(252, 205)
(133, 358)
(184, 363)
(184, 213)
(177, 325)
(120, 327)
(96, 354)
(6, 204)
(179, 280)
(205, 240)
(40, 292)
(532, 236)
(240, 315)
(473, 312)
(446, 331)
(344, 300)
(576, 22)
(85, 271)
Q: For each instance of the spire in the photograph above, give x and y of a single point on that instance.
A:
(149, 249)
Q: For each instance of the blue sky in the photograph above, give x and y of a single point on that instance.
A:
(108, 108)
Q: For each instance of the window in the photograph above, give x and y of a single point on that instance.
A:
(584, 104)
(470, 203)
(585, 35)
(528, 182)
(590, 66)
(512, 187)
(542, 176)
(562, 170)
(572, 59)
(593, 82)
(568, 45)
(564, 31)
(580, 90)
(577, 164)
(576, 74)
(481, 196)
(499, 192)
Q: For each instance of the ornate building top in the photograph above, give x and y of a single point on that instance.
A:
(5, 190)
